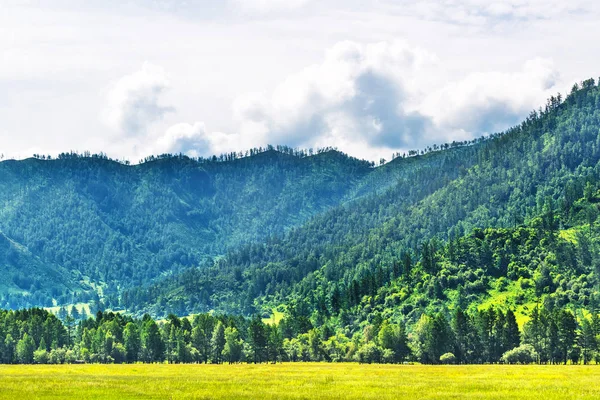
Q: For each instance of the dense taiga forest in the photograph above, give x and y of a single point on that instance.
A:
(487, 336)
(470, 252)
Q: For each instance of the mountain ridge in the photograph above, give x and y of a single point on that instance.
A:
(247, 234)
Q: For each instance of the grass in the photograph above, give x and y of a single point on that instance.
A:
(298, 381)
(275, 317)
(511, 296)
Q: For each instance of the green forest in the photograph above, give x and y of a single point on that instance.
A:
(484, 251)
(487, 336)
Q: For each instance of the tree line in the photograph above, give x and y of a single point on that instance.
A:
(481, 336)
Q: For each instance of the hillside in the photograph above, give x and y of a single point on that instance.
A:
(26, 275)
(251, 268)
(327, 240)
(113, 225)
(346, 266)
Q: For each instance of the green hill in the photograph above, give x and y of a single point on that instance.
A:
(348, 265)
(326, 239)
(119, 225)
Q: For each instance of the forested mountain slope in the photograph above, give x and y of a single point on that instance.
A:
(24, 272)
(325, 238)
(115, 225)
(392, 190)
(537, 168)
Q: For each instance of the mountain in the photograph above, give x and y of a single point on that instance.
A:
(518, 207)
(326, 240)
(112, 225)
(250, 268)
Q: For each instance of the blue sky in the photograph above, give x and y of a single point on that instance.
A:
(133, 78)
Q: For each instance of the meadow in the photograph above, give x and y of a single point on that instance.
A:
(298, 381)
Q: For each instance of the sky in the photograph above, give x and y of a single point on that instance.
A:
(132, 78)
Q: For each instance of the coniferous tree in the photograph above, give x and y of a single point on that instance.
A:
(202, 335)
(218, 342)
(257, 339)
(587, 341)
(534, 331)
(567, 336)
(462, 330)
(132, 342)
(274, 344)
(9, 349)
(512, 336)
(152, 343)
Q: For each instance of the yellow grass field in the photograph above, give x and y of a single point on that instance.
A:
(298, 381)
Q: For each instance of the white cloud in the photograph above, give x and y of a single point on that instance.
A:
(195, 141)
(388, 96)
(368, 99)
(134, 100)
(486, 12)
(267, 6)
(184, 138)
(57, 56)
(488, 102)
(359, 91)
